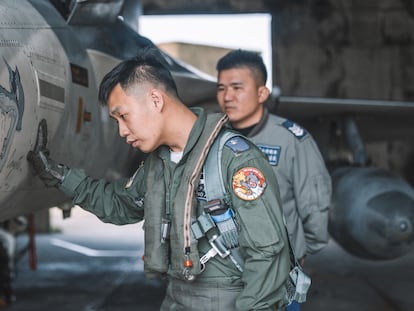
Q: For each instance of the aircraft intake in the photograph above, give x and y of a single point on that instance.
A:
(372, 213)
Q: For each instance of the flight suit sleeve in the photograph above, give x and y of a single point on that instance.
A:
(263, 236)
(117, 202)
(312, 188)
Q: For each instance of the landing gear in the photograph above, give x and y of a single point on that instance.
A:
(9, 254)
(7, 248)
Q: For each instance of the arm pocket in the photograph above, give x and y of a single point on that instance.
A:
(259, 230)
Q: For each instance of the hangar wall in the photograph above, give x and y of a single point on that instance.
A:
(329, 48)
(345, 49)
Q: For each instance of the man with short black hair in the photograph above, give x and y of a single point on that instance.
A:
(222, 248)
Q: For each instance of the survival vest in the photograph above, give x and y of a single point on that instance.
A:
(179, 257)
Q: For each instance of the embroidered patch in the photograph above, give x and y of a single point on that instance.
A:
(237, 144)
(272, 153)
(249, 183)
(296, 129)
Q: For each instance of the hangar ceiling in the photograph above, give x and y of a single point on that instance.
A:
(207, 6)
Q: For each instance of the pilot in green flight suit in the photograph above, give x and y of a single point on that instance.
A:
(209, 266)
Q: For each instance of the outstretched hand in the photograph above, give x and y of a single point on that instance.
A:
(48, 170)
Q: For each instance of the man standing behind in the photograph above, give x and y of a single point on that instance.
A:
(304, 182)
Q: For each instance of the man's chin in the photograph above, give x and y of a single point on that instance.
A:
(232, 117)
(234, 122)
(144, 149)
(140, 147)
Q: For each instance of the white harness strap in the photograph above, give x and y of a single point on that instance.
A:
(194, 176)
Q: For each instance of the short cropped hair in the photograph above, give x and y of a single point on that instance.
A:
(242, 58)
(147, 67)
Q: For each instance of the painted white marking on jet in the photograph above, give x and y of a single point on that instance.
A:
(93, 252)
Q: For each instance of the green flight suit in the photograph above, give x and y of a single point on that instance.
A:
(156, 192)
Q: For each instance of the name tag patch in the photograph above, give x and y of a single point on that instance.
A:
(272, 153)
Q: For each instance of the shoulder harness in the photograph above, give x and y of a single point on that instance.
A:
(218, 211)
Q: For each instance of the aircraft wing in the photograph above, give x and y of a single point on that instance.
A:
(312, 107)
(94, 12)
(368, 146)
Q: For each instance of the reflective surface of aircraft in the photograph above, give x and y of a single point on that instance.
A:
(53, 54)
(50, 68)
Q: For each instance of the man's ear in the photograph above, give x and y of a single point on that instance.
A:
(157, 99)
(263, 93)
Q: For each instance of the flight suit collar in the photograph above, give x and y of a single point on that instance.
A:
(259, 126)
(164, 151)
(196, 130)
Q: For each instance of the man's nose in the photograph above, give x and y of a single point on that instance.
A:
(227, 94)
(123, 130)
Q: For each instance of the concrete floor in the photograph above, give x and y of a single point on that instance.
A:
(91, 266)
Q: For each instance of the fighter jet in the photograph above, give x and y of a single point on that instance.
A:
(53, 55)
